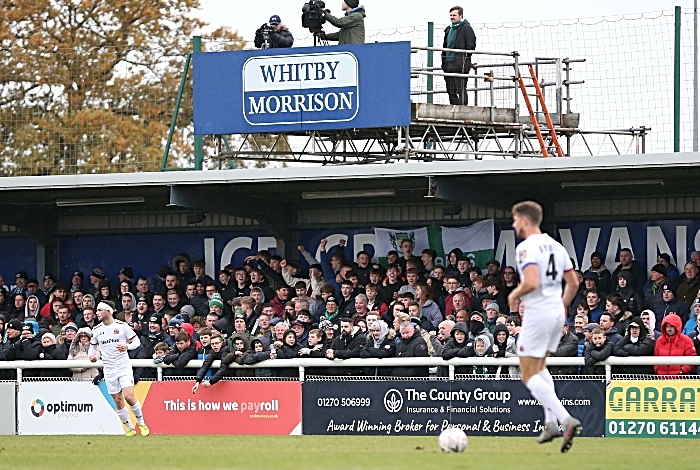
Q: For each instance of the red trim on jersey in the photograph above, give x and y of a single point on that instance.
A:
(132, 338)
(569, 270)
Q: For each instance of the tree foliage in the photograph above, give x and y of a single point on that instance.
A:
(90, 85)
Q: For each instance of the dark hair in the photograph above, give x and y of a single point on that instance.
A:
(459, 10)
(610, 315)
(182, 336)
(346, 320)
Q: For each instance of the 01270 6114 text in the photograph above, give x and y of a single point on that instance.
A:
(652, 428)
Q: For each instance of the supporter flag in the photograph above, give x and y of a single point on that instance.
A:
(476, 241)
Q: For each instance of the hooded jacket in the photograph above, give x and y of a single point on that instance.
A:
(453, 349)
(133, 302)
(255, 357)
(79, 352)
(637, 272)
(634, 301)
(112, 295)
(378, 348)
(676, 345)
(507, 349)
(644, 346)
(488, 352)
(35, 313)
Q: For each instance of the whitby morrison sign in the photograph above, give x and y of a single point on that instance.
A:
(302, 89)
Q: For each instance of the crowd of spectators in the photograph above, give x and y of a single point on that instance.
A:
(270, 309)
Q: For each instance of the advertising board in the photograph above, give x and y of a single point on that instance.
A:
(414, 408)
(653, 408)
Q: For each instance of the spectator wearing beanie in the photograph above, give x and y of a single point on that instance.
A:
(51, 352)
(653, 294)
(352, 25)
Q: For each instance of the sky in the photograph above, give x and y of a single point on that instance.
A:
(247, 16)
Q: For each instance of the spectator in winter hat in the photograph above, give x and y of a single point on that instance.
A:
(216, 305)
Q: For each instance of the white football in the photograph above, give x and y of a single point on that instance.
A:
(452, 440)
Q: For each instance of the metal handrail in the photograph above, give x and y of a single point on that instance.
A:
(464, 51)
(373, 362)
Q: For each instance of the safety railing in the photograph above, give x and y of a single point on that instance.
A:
(490, 78)
(303, 364)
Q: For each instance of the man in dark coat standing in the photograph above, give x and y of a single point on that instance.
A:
(459, 35)
(412, 345)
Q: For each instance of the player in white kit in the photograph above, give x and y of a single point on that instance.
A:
(543, 264)
(114, 338)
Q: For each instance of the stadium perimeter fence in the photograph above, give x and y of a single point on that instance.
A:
(87, 119)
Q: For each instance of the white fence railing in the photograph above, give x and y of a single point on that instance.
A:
(303, 364)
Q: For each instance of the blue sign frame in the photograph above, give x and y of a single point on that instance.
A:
(302, 89)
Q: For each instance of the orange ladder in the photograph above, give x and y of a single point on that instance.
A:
(533, 117)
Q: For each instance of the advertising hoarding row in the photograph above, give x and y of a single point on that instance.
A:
(626, 408)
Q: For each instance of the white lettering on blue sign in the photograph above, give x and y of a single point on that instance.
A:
(301, 89)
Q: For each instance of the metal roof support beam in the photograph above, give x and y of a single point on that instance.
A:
(469, 193)
(276, 217)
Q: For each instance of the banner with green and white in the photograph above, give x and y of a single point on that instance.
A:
(476, 241)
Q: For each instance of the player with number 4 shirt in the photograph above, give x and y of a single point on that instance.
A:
(544, 267)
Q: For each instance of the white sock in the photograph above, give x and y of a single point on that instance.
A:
(549, 417)
(136, 409)
(541, 390)
(126, 419)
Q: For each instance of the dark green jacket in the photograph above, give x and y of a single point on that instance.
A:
(352, 27)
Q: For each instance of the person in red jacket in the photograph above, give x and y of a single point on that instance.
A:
(673, 343)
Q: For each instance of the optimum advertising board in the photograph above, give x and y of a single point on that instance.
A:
(415, 408)
(65, 408)
(300, 89)
(653, 408)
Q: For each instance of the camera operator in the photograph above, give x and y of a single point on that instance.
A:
(278, 35)
(352, 25)
(459, 35)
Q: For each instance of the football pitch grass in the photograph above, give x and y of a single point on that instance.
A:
(337, 452)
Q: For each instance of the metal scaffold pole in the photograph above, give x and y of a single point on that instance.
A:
(431, 34)
(198, 139)
(695, 75)
(677, 84)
